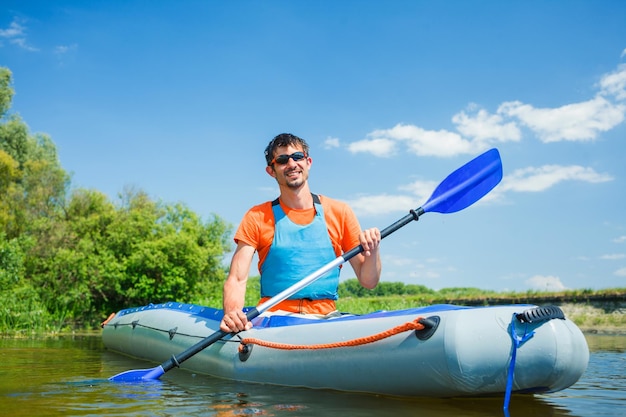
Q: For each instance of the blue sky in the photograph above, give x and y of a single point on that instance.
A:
(179, 99)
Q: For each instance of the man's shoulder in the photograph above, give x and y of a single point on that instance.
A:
(267, 205)
(256, 218)
(258, 212)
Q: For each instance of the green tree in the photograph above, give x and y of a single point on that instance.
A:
(20, 306)
(101, 258)
(9, 174)
(71, 262)
(14, 138)
(72, 258)
(169, 252)
(6, 91)
(352, 288)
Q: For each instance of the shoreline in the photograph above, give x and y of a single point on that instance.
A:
(592, 318)
(597, 319)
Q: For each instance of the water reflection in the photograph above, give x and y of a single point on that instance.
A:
(606, 343)
(68, 376)
(600, 392)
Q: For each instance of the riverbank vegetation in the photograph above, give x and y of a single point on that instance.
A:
(594, 311)
(396, 295)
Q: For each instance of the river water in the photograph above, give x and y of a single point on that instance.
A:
(67, 376)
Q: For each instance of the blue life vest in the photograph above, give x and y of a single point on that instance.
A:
(297, 251)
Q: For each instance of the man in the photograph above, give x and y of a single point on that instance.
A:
(295, 235)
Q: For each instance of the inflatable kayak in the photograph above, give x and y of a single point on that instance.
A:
(434, 351)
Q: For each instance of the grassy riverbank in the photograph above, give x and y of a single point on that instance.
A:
(602, 312)
(591, 319)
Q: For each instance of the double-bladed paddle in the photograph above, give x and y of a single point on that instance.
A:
(459, 190)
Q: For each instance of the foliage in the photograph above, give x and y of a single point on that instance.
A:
(21, 307)
(212, 297)
(461, 292)
(352, 288)
(6, 91)
(356, 300)
(71, 257)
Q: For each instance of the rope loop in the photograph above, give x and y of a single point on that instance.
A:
(408, 326)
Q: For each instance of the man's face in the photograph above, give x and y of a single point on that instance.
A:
(292, 174)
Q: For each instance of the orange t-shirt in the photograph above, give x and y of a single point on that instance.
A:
(257, 226)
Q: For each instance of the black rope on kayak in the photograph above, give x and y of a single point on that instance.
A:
(171, 332)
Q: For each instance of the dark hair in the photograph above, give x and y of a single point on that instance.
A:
(284, 139)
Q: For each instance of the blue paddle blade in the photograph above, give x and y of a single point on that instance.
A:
(137, 375)
(466, 185)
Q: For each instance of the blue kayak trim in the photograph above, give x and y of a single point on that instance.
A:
(215, 314)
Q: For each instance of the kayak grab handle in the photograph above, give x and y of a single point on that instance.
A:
(537, 314)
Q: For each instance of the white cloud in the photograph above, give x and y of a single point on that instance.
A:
(14, 30)
(614, 84)
(573, 122)
(382, 204)
(477, 129)
(65, 52)
(398, 261)
(421, 142)
(620, 272)
(16, 35)
(331, 143)
(613, 256)
(21, 42)
(416, 194)
(420, 189)
(535, 179)
(64, 49)
(485, 127)
(545, 283)
(620, 239)
(378, 146)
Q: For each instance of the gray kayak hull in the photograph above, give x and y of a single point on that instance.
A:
(469, 353)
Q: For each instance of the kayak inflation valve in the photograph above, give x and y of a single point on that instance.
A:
(244, 351)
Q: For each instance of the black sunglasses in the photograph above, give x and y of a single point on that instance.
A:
(283, 159)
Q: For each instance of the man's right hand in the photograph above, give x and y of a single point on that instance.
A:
(235, 322)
